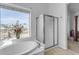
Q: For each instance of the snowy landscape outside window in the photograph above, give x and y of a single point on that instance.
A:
(14, 24)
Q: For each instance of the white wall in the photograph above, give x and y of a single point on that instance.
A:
(70, 22)
(73, 21)
(78, 23)
(60, 10)
(37, 9)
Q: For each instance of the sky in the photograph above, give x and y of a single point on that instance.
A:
(10, 17)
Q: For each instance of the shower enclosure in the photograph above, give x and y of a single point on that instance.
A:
(47, 30)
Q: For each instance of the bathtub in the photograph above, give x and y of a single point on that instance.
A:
(18, 47)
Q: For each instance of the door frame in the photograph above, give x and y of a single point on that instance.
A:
(76, 29)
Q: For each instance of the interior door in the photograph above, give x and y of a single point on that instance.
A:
(48, 31)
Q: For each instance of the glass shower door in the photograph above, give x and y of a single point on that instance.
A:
(48, 31)
(39, 29)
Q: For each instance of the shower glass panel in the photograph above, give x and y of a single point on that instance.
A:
(55, 30)
(48, 31)
(39, 29)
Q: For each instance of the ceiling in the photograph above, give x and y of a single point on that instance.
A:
(74, 7)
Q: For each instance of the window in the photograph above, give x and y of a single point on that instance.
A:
(14, 24)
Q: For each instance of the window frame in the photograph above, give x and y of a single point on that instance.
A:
(14, 7)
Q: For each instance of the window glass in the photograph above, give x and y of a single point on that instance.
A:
(14, 24)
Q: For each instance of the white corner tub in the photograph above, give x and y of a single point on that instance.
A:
(20, 47)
